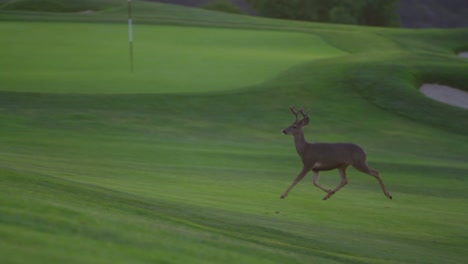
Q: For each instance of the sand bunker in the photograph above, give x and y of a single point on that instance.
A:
(463, 54)
(86, 12)
(446, 94)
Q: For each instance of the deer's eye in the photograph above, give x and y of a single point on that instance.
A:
(294, 126)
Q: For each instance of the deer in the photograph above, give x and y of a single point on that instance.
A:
(318, 157)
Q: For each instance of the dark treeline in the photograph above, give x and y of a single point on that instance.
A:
(358, 12)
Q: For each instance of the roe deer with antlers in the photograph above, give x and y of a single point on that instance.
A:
(318, 157)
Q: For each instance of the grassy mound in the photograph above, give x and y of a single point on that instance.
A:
(189, 169)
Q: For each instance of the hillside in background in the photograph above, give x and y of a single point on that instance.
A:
(232, 6)
(412, 13)
(433, 13)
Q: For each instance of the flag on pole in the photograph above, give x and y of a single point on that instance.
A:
(130, 34)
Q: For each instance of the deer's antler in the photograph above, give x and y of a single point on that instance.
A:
(304, 115)
(295, 113)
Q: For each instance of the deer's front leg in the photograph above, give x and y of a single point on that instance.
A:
(298, 179)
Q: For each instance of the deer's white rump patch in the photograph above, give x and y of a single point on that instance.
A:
(446, 94)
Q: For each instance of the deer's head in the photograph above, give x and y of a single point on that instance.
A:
(297, 125)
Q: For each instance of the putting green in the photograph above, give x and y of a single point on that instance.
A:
(94, 58)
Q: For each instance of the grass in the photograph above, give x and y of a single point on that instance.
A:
(163, 63)
(189, 169)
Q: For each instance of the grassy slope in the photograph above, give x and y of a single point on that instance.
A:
(197, 177)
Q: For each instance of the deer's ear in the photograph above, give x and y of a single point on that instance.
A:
(305, 121)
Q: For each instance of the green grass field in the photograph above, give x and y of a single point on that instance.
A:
(183, 160)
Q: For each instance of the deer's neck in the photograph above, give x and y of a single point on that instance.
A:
(300, 142)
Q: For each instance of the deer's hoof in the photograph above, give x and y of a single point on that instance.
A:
(283, 196)
(328, 195)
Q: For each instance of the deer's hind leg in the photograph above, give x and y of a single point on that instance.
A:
(344, 181)
(317, 184)
(363, 167)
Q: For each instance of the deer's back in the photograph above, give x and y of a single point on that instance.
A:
(326, 156)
